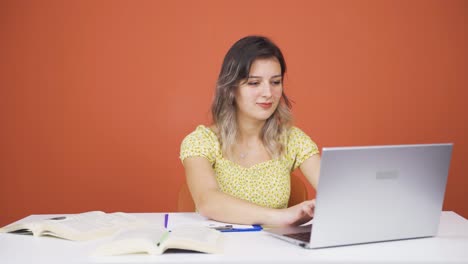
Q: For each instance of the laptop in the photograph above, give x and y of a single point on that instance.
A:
(375, 193)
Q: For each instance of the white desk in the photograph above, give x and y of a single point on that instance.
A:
(450, 246)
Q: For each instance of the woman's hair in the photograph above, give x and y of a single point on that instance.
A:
(235, 69)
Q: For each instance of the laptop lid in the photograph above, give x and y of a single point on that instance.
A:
(379, 193)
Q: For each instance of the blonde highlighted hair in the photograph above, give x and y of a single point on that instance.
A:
(235, 68)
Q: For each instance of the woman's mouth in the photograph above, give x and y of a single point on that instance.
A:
(265, 105)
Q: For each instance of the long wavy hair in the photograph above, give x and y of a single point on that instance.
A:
(234, 70)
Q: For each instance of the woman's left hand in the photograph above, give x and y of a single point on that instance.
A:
(299, 213)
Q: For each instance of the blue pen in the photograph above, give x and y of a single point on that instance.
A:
(249, 229)
(231, 228)
(166, 220)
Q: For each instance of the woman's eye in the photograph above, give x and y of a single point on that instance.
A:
(276, 82)
(252, 83)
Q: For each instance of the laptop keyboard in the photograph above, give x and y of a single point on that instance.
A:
(305, 236)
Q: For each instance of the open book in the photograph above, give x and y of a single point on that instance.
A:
(155, 241)
(83, 226)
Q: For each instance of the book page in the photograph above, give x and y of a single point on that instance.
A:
(90, 221)
(136, 240)
(28, 226)
(194, 237)
(153, 240)
(89, 225)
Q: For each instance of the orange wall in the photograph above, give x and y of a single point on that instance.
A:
(96, 96)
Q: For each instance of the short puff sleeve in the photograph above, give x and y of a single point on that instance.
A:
(200, 143)
(300, 146)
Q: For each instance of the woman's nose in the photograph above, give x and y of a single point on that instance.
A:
(266, 89)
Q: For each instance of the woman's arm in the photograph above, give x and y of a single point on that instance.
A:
(213, 203)
(311, 169)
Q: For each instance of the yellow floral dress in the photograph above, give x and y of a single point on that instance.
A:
(267, 183)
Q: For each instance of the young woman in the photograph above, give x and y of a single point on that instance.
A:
(238, 169)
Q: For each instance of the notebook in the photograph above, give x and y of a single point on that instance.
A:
(375, 194)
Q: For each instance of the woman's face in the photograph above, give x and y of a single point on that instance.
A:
(258, 96)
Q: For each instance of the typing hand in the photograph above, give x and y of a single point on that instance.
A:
(300, 213)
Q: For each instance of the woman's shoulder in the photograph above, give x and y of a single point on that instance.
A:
(295, 132)
(202, 133)
(300, 146)
(296, 137)
(201, 142)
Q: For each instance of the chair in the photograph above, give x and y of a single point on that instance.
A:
(299, 193)
(185, 202)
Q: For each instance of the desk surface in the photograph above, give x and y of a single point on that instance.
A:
(449, 246)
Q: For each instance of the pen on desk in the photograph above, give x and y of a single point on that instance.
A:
(164, 236)
(231, 228)
(166, 220)
(222, 228)
(58, 218)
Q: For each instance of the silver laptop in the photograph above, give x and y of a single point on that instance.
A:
(374, 194)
